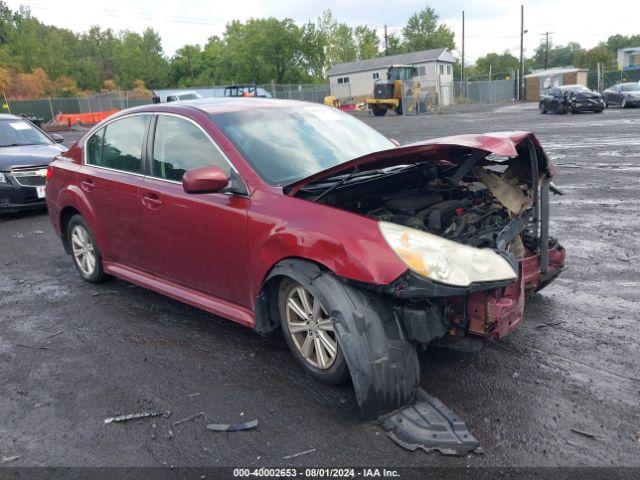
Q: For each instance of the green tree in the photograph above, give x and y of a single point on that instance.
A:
(590, 58)
(423, 32)
(367, 42)
(561, 56)
(500, 64)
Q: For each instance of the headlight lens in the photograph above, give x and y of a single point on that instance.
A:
(3, 178)
(443, 260)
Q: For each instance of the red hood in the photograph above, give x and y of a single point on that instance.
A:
(507, 144)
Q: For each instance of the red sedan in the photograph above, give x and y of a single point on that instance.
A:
(290, 216)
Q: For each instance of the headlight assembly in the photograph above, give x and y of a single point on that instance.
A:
(445, 261)
(3, 178)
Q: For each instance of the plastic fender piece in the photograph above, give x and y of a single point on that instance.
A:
(382, 362)
(428, 424)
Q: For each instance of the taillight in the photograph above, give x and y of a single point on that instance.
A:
(49, 173)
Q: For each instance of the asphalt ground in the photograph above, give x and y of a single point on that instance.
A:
(564, 389)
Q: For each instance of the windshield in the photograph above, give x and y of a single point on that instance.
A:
(189, 96)
(15, 132)
(630, 87)
(575, 88)
(286, 144)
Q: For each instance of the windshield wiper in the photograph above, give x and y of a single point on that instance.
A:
(337, 184)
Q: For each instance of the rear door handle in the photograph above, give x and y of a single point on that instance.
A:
(87, 185)
(151, 200)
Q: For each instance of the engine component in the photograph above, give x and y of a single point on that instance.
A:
(412, 204)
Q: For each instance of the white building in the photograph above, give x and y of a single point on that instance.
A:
(355, 79)
(629, 58)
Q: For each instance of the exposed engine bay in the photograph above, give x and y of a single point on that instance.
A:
(457, 202)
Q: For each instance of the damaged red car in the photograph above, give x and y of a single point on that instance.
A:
(295, 217)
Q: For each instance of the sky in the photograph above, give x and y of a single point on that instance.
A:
(491, 25)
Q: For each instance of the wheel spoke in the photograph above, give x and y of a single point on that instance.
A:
(91, 261)
(316, 313)
(83, 262)
(75, 238)
(328, 344)
(297, 309)
(307, 346)
(302, 294)
(298, 327)
(326, 324)
(321, 354)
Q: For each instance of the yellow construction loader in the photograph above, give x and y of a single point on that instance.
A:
(399, 92)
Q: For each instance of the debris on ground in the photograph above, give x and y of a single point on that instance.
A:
(225, 427)
(429, 425)
(137, 416)
(547, 325)
(54, 334)
(10, 459)
(581, 432)
(637, 435)
(35, 347)
(299, 454)
(191, 395)
(178, 422)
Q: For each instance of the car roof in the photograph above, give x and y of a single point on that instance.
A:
(10, 116)
(218, 105)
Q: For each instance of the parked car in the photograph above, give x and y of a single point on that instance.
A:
(183, 96)
(25, 152)
(285, 215)
(623, 95)
(570, 99)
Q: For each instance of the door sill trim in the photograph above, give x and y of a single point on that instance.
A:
(217, 306)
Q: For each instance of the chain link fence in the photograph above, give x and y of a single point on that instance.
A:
(488, 92)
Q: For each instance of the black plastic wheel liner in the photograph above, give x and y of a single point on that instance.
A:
(383, 363)
(429, 425)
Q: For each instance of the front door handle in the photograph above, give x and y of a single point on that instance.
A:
(87, 185)
(151, 200)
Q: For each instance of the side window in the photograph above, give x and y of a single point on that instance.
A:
(179, 146)
(441, 69)
(448, 69)
(422, 71)
(119, 144)
(376, 76)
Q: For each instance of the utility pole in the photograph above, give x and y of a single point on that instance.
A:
(546, 52)
(190, 66)
(521, 76)
(386, 42)
(462, 67)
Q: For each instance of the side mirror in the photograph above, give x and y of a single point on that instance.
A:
(208, 179)
(57, 137)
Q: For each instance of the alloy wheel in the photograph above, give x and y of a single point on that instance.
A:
(311, 329)
(83, 251)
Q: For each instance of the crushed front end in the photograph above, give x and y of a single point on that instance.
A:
(469, 216)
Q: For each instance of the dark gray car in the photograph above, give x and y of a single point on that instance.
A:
(622, 95)
(25, 152)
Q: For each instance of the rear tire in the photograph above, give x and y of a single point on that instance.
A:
(542, 108)
(623, 103)
(84, 250)
(379, 112)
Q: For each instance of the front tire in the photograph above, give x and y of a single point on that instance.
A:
(84, 250)
(542, 108)
(379, 112)
(309, 333)
(623, 103)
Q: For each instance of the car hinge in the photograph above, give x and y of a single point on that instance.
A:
(533, 155)
(544, 225)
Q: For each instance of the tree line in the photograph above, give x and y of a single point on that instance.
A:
(571, 54)
(39, 60)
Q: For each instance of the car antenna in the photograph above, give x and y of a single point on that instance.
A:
(336, 185)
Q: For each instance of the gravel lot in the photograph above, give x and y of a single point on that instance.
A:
(574, 366)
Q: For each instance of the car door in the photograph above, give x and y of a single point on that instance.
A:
(110, 178)
(616, 95)
(192, 239)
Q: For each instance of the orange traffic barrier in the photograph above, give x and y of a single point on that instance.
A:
(83, 118)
